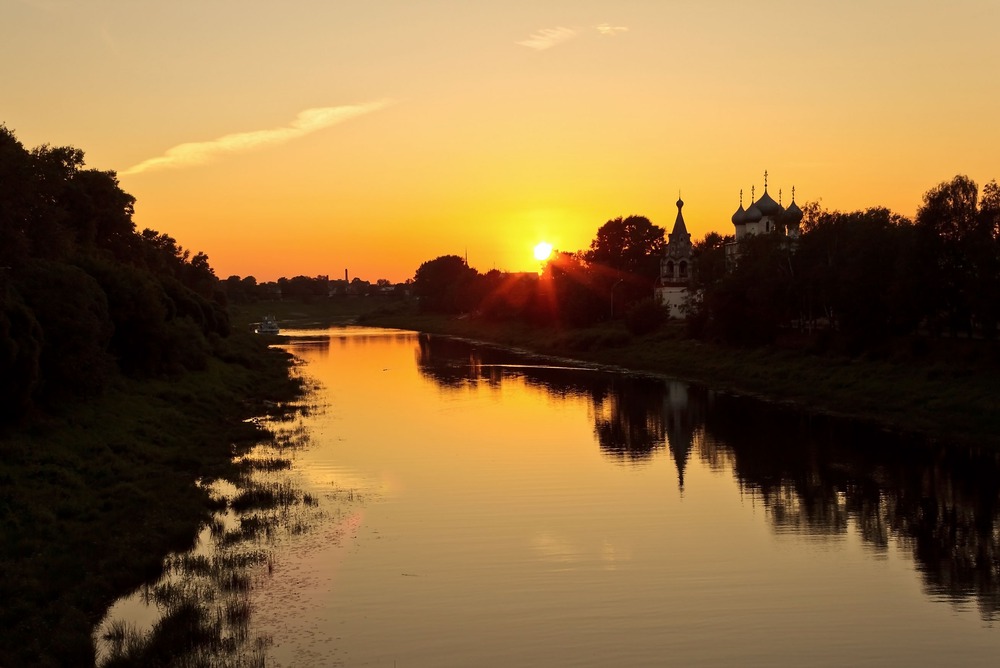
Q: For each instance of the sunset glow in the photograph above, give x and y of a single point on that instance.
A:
(543, 250)
(348, 136)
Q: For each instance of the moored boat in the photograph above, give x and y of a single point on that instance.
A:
(268, 325)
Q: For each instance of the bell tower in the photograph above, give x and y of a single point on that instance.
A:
(676, 266)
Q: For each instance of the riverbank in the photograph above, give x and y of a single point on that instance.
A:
(945, 389)
(93, 496)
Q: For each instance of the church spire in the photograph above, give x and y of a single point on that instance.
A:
(680, 229)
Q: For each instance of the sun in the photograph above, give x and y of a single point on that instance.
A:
(543, 250)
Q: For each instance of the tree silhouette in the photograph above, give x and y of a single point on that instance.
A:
(629, 245)
(958, 243)
(446, 285)
(625, 257)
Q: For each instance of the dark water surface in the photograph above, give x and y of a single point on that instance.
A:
(479, 508)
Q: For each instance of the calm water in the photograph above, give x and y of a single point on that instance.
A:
(482, 509)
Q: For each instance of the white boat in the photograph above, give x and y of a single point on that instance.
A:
(268, 325)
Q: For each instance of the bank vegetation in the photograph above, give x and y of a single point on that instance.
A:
(122, 386)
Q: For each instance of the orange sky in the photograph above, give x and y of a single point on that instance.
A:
(310, 137)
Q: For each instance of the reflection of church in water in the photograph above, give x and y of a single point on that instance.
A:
(638, 417)
(763, 216)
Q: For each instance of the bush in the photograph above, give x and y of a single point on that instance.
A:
(20, 352)
(72, 311)
(645, 316)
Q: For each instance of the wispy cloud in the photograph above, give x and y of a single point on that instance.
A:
(307, 122)
(546, 38)
(611, 30)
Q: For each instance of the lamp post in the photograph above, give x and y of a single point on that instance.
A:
(619, 282)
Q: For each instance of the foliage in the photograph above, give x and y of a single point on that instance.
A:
(88, 308)
(856, 272)
(625, 256)
(83, 295)
(509, 296)
(572, 292)
(72, 312)
(860, 277)
(645, 316)
(857, 278)
(749, 303)
(628, 245)
(447, 285)
(20, 353)
(960, 254)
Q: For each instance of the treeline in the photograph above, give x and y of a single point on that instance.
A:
(866, 276)
(246, 289)
(857, 278)
(614, 277)
(84, 295)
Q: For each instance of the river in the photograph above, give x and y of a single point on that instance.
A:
(468, 506)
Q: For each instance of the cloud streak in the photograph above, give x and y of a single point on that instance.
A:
(546, 38)
(610, 30)
(306, 122)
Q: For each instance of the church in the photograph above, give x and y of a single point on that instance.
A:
(675, 267)
(763, 216)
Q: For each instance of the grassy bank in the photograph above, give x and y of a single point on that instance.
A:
(93, 496)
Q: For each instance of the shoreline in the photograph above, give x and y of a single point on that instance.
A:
(938, 398)
(98, 492)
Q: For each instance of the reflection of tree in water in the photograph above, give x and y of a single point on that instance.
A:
(821, 476)
(633, 416)
(318, 345)
(628, 419)
(814, 475)
(456, 364)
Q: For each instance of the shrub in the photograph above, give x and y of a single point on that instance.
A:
(645, 316)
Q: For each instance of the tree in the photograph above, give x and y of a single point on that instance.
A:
(508, 296)
(709, 255)
(570, 292)
(624, 258)
(446, 285)
(76, 326)
(751, 302)
(628, 245)
(958, 251)
(20, 352)
(856, 270)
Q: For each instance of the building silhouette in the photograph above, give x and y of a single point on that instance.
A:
(763, 216)
(675, 267)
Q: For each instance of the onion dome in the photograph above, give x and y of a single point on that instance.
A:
(793, 214)
(740, 216)
(753, 214)
(767, 205)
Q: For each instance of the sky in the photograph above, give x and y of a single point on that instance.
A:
(314, 137)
